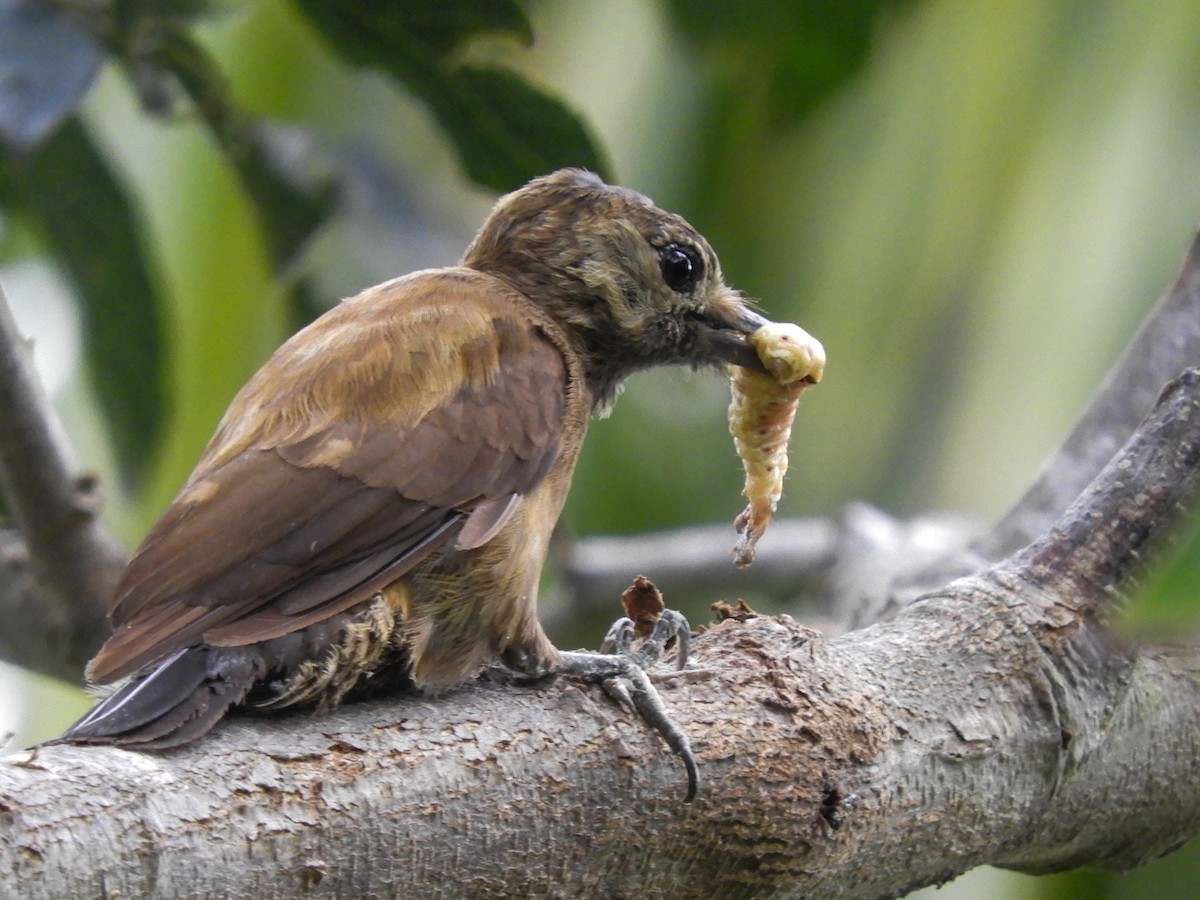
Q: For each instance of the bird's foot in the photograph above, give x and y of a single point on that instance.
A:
(621, 671)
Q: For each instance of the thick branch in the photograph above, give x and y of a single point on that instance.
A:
(55, 505)
(986, 722)
(823, 763)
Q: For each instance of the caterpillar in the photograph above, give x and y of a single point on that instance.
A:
(760, 419)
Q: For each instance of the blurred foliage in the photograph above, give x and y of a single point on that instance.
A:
(1167, 607)
(65, 189)
(971, 204)
(787, 55)
(505, 129)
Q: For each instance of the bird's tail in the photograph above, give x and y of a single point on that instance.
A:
(176, 702)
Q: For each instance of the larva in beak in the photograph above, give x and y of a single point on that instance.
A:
(760, 419)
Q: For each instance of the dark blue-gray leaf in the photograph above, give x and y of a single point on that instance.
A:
(47, 63)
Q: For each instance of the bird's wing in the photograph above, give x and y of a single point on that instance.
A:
(420, 409)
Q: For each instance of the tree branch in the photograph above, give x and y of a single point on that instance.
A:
(55, 504)
(832, 563)
(695, 563)
(1112, 529)
(985, 723)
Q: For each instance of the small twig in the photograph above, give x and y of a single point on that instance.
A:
(54, 504)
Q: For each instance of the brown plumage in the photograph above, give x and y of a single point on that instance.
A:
(378, 500)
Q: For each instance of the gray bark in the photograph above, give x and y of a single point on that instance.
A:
(986, 723)
(65, 549)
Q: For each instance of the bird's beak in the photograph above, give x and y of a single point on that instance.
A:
(728, 320)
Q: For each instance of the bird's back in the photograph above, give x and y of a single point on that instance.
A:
(323, 523)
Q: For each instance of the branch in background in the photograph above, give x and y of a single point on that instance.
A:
(695, 563)
(1112, 530)
(835, 565)
(1166, 344)
(55, 505)
(21, 602)
(823, 762)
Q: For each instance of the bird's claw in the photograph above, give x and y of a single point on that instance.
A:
(670, 624)
(621, 671)
(620, 636)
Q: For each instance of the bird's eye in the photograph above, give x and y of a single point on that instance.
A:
(682, 267)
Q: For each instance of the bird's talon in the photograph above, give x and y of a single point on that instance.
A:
(670, 624)
(620, 636)
(624, 678)
(618, 690)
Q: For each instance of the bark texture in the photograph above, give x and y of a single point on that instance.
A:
(985, 723)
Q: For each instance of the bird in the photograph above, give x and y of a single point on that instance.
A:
(376, 505)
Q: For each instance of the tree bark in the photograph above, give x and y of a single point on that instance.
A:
(987, 722)
(66, 549)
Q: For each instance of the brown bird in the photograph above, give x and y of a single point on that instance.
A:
(378, 500)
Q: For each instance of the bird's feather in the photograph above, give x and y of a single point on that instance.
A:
(317, 490)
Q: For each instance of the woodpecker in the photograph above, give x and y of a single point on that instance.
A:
(377, 502)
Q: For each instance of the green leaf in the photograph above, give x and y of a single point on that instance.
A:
(504, 129)
(1168, 602)
(396, 36)
(801, 50)
(129, 17)
(507, 131)
(66, 190)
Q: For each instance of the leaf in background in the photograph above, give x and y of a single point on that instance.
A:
(47, 64)
(1167, 605)
(804, 49)
(505, 130)
(130, 16)
(66, 190)
(410, 38)
(291, 208)
(293, 205)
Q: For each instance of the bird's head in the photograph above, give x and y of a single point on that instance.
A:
(633, 286)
